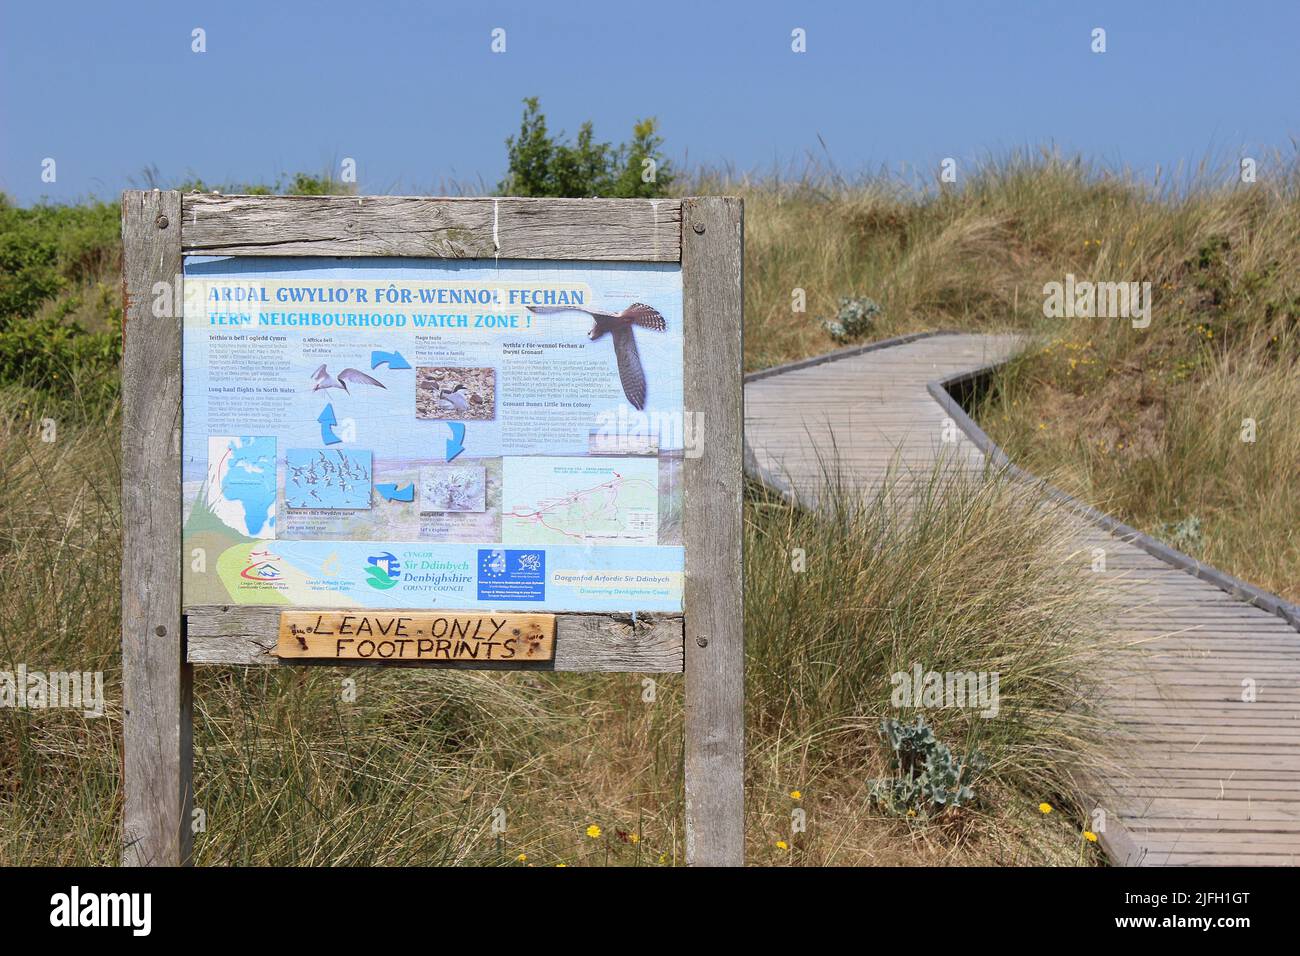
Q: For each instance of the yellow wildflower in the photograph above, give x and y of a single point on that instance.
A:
(782, 845)
(1044, 808)
(1090, 836)
(796, 794)
(522, 858)
(593, 831)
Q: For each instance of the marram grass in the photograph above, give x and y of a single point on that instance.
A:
(304, 767)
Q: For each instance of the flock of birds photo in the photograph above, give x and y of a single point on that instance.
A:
(327, 479)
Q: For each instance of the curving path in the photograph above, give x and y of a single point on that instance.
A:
(1204, 776)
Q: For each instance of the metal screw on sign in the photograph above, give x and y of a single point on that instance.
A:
(161, 222)
(702, 641)
(699, 228)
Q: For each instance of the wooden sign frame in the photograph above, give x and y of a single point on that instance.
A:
(162, 640)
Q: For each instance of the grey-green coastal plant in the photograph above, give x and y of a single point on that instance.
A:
(1185, 535)
(927, 778)
(855, 320)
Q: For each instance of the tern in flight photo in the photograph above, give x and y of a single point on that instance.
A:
(324, 379)
(619, 326)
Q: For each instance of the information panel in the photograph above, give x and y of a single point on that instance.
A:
(402, 433)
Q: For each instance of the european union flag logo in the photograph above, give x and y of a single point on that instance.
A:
(511, 575)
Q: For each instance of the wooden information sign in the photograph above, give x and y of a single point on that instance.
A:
(407, 636)
(341, 413)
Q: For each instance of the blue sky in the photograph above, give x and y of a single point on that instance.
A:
(414, 94)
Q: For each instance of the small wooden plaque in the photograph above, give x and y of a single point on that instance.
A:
(413, 636)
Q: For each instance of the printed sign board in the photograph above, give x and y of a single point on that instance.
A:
(433, 434)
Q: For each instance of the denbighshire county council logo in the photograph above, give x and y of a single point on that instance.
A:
(384, 571)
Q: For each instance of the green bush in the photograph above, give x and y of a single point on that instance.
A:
(540, 165)
(49, 250)
(60, 319)
(46, 355)
(60, 308)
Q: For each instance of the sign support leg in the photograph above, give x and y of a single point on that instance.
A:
(157, 751)
(712, 261)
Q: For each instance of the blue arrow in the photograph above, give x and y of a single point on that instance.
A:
(456, 443)
(327, 423)
(391, 359)
(390, 492)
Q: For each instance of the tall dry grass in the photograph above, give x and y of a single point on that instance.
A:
(955, 574)
(1143, 422)
(1208, 461)
(290, 770)
(299, 767)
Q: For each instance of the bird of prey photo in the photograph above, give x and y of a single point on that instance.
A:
(324, 379)
(619, 326)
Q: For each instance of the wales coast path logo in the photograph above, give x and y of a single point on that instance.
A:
(384, 571)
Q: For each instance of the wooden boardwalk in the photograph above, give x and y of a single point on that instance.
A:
(1206, 774)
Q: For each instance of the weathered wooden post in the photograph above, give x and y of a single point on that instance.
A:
(712, 265)
(156, 678)
(579, 359)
